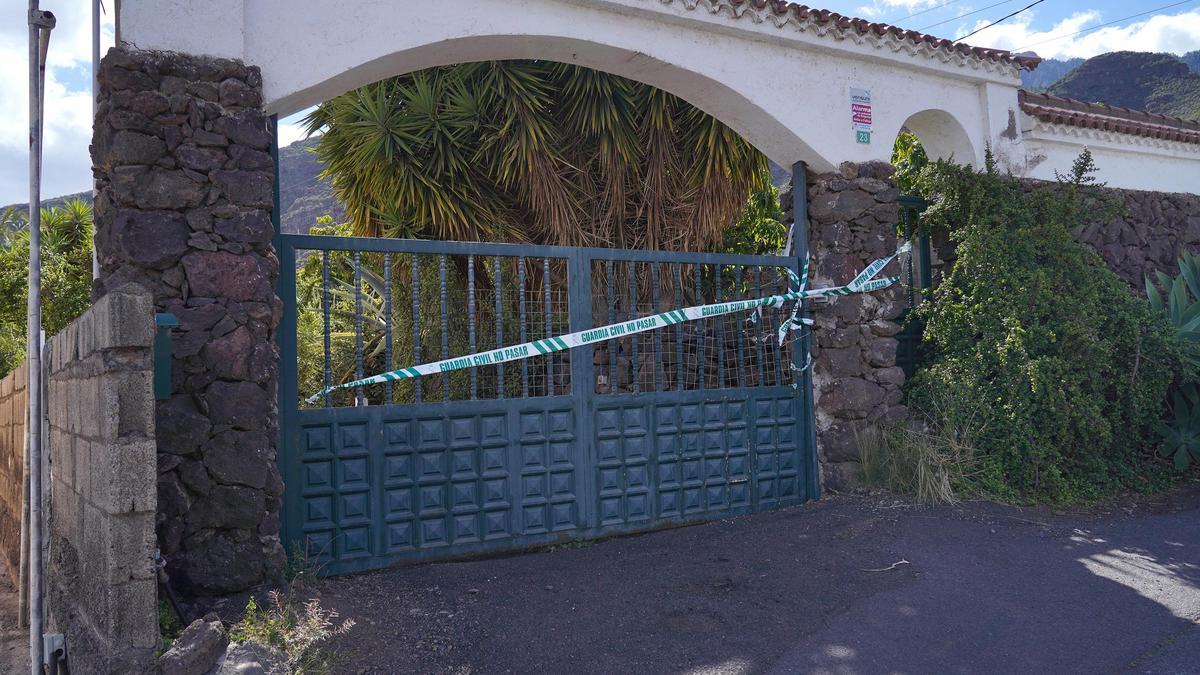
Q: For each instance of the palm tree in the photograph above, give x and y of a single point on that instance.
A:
(534, 151)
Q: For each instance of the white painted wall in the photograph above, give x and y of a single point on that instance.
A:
(785, 88)
(1124, 161)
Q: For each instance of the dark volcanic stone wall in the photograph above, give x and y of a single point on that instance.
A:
(1149, 233)
(852, 217)
(181, 153)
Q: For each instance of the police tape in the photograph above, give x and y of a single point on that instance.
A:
(864, 282)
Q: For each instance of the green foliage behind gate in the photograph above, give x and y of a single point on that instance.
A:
(1033, 335)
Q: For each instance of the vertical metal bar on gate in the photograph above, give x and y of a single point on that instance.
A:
(524, 331)
(760, 329)
(741, 339)
(680, 382)
(701, 332)
(471, 323)
(635, 365)
(387, 320)
(496, 283)
(781, 315)
(326, 319)
(416, 320)
(659, 375)
(800, 356)
(720, 332)
(445, 324)
(582, 373)
(358, 327)
(549, 325)
(611, 345)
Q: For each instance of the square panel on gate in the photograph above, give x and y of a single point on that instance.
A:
(318, 475)
(400, 536)
(560, 424)
(397, 503)
(356, 542)
(398, 435)
(431, 433)
(353, 473)
(533, 426)
(317, 440)
(492, 431)
(462, 432)
(352, 439)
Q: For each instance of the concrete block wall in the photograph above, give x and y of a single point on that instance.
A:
(13, 417)
(101, 589)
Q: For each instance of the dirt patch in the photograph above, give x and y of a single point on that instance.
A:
(14, 642)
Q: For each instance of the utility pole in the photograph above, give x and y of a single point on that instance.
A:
(40, 25)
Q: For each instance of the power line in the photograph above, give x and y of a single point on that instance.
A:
(963, 16)
(1003, 18)
(1088, 30)
(926, 11)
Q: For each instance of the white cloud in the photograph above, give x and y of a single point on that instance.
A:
(894, 9)
(290, 128)
(68, 122)
(1176, 34)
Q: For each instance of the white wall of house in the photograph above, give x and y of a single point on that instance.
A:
(781, 82)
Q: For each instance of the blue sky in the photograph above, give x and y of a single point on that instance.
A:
(68, 106)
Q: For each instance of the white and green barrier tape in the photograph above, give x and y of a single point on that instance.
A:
(864, 282)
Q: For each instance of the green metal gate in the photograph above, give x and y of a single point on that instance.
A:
(699, 420)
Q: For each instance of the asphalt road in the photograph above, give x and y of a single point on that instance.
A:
(842, 586)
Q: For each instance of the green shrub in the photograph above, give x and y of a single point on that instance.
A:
(66, 274)
(1065, 368)
(298, 629)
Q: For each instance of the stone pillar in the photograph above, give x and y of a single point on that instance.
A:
(181, 154)
(853, 215)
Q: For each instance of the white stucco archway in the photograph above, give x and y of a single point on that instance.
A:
(778, 74)
(942, 136)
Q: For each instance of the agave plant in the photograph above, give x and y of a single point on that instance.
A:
(1181, 303)
(1180, 434)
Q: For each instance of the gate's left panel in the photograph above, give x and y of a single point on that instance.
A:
(454, 463)
(381, 484)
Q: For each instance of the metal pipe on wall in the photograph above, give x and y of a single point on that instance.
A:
(40, 25)
(95, 106)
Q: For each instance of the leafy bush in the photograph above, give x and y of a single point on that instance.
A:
(298, 629)
(66, 274)
(760, 229)
(1065, 369)
(909, 158)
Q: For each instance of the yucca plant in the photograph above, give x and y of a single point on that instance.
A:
(534, 151)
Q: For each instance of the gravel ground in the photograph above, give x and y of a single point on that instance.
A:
(844, 585)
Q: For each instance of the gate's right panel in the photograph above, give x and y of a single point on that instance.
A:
(697, 420)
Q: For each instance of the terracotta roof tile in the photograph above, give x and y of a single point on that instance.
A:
(864, 27)
(1104, 117)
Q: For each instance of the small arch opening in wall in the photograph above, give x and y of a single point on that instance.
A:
(941, 136)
